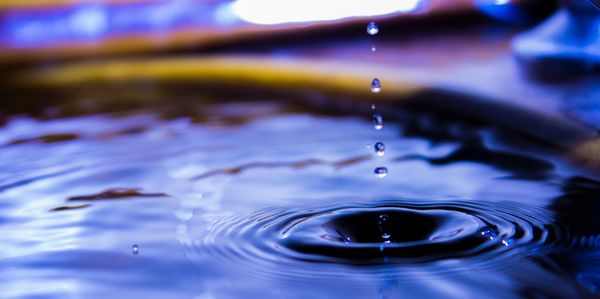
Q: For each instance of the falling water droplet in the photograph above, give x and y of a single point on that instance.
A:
(384, 229)
(379, 148)
(489, 233)
(372, 28)
(373, 107)
(373, 49)
(377, 121)
(381, 172)
(384, 225)
(375, 86)
(135, 249)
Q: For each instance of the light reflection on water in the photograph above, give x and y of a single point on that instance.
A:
(220, 234)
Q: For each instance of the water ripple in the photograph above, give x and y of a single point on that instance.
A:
(291, 241)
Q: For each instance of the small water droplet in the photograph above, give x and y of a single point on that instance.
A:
(372, 28)
(135, 249)
(384, 227)
(377, 121)
(375, 86)
(380, 148)
(489, 233)
(381, 172)
(368, 146)
(373, 107)
(508, 242)
(373, 49)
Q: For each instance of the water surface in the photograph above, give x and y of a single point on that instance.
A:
(257, 200)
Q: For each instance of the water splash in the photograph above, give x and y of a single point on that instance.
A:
(489, 232)
(383, 245)
(366, 233)
(508, 242)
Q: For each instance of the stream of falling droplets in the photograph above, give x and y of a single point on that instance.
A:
(379, 147)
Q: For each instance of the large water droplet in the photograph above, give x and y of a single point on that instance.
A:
(381, 172)
(490, 233)
(135, 249)
(372, 28)
(375, 86)
(377, 121)
(379, 148)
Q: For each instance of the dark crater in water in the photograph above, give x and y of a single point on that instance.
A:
(400, 232)
(399, 224)
(371, 233)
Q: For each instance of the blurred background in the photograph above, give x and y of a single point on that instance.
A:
(505, 50)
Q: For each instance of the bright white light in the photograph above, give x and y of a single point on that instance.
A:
(266, 12)
(501, 2)
(89, 21)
